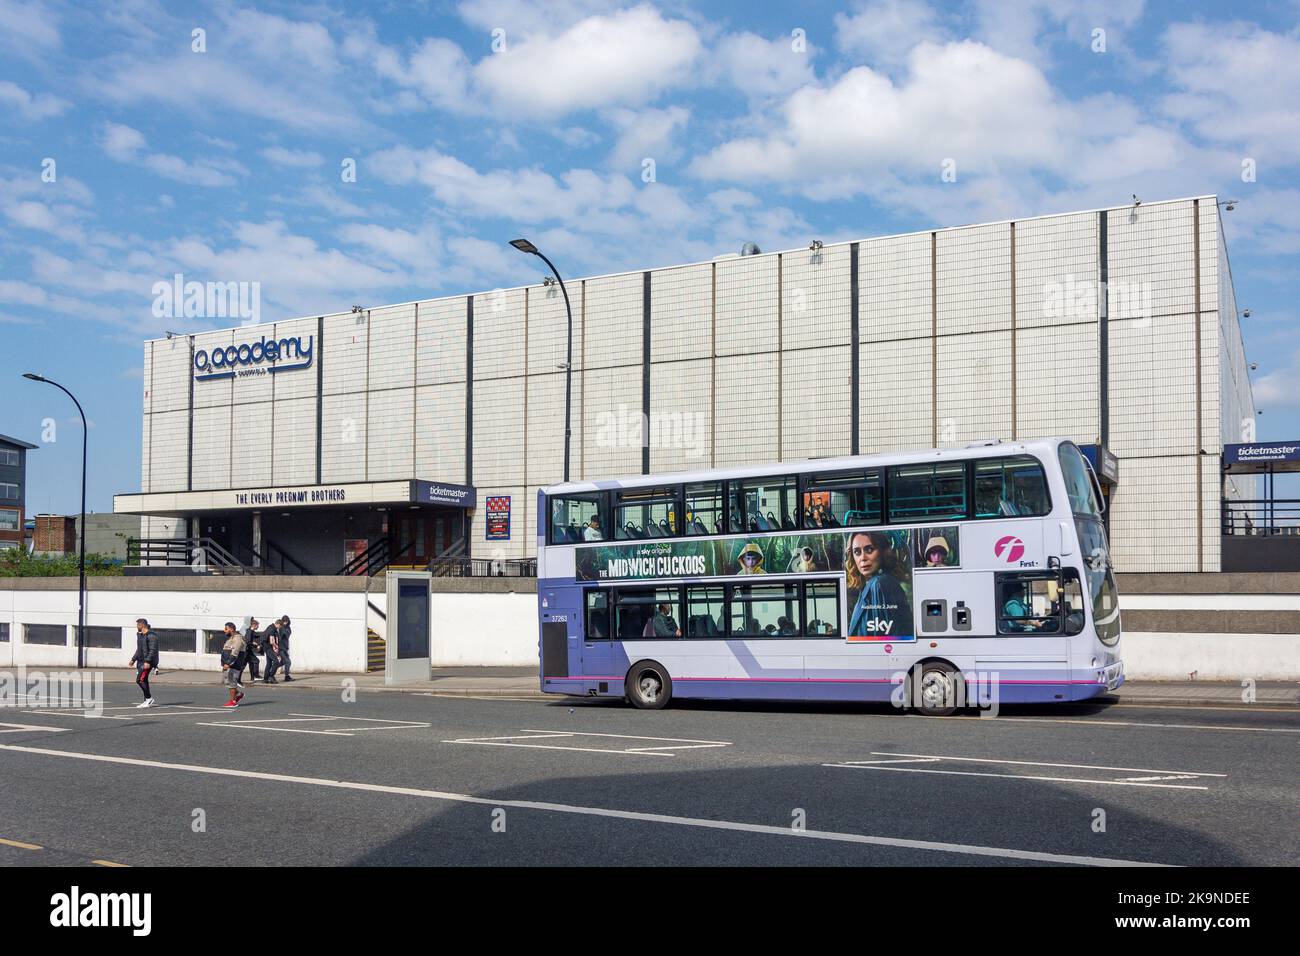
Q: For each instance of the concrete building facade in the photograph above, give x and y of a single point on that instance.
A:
(1115, 327)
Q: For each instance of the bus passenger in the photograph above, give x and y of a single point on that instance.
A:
(664, 624)
(592, 531)
(873, 570)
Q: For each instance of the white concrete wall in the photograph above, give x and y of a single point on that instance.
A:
(1231, 657)
(329, 628)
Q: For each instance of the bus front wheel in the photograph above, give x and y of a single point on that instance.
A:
(940, 690)
(648, 686)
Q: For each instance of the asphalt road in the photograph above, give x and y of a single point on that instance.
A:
(303, 777)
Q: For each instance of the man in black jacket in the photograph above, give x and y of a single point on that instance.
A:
(271, 646)
(253, 639)
(285, 631)
(145, 660)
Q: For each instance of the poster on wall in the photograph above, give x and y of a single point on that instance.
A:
(354, 548)
(876, 563)
(498, 518)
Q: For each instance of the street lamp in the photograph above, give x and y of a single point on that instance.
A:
(523, 245)
(81, 560)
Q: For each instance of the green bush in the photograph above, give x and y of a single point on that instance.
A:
(17, 563)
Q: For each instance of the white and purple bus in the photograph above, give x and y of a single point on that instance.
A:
(932, 578)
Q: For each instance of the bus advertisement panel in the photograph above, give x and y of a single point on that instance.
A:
(877, 565)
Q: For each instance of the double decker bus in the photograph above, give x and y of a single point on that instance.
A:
(934, 579)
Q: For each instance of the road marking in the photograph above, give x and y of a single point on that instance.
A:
(109, 863)
(1104, 722)
(20, 845)
(1148, 781)
(656, 750)
(633, 815)
(260, 724)
(1035, 763)
(23, 728)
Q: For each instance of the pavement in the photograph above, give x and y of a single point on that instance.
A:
(523, 682)
(429, 778)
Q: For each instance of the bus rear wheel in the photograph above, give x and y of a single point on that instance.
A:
(940, 690)
(648, 686)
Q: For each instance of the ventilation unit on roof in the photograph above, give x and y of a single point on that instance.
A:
(984, 443)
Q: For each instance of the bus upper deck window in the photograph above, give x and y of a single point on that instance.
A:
(1010, 488)
(927, 492)
(577, 518)
(842, 499)
(765, 504)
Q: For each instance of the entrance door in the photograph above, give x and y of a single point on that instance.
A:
(428, 534)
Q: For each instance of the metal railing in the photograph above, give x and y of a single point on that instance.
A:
(1261, 517)
(483, 568)
(203, 555)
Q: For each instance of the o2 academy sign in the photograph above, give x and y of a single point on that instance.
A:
(265, 356)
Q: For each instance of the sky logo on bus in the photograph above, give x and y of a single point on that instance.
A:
(1010, 549)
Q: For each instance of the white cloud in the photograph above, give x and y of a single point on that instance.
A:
(301, 159)
(760, 67)
(38, 107)
(1238, 85)
(29, 29)
(886, 31)
(127, 145)
(647, 133)
(628, 57)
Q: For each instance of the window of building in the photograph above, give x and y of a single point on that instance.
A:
(704, 508)
(1028, 603)
(9, 457)
(4, 632)
(8, 492)
(645, 513)
(54, 635)
(821, 609)
(8, 519)
(765, 610)
(596, 620)
(765, 504)
(576, 518)
(213, 641)
(107, 637)
(1010, 488)
(647, 612)
(843, 499)
(175, 639)
(705, 612)
(927, 492)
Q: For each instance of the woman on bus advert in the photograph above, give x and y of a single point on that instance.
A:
(875, 567)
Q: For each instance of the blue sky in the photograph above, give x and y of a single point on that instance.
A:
(470, 123)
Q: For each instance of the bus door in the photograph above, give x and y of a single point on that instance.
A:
(595, 649)
(1040, 609)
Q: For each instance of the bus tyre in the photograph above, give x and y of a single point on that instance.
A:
(648, 686)
(940, 689)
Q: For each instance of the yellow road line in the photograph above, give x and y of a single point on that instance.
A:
(21, 846)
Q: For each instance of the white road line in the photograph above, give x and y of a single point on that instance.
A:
(590, 750)
(925, 760)
(1035, 763)
(1103, 722)
(1013, 776)
(23, 728)
(676, 740)
(282, 730)
(702, 823)
(370, 720)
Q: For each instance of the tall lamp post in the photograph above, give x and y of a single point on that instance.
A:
(523, 245)
(81, 560)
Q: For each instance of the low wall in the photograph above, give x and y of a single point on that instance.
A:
(1212, 626)
(330, 618)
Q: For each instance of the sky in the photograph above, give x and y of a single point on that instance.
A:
(344, 155)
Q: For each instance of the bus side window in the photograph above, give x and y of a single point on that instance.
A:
(1072, 602)
(597, 622)
(1028, 603)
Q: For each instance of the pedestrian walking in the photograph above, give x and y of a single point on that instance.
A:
(232, 663)
(285, 631)
(253, 647)
(271, 647)
(145, 660)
